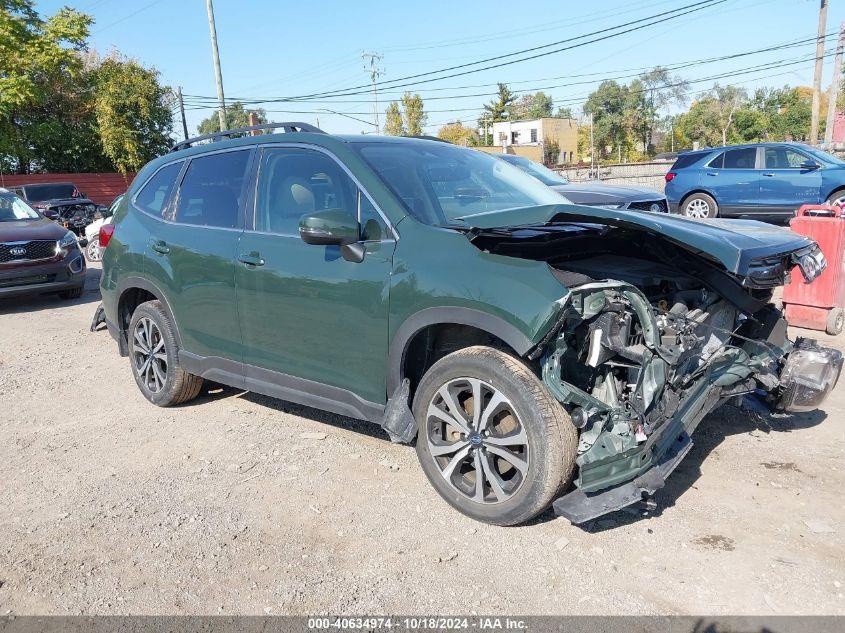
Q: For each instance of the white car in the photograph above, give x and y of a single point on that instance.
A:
(93, 252)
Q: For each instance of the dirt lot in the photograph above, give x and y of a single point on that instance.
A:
(238, 503)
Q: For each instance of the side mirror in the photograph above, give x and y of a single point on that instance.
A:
(810, 164)
(329, 227)
(334, 227)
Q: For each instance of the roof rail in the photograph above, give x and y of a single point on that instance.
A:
(288, 126)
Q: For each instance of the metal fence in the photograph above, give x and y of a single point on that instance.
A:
(635, 174)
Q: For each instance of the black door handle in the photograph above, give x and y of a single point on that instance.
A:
(251, 259)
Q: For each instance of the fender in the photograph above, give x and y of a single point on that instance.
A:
(494, 325)
(143, 283)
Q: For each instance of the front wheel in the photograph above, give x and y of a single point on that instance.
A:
(700, 206)
(493, 441)
(835, 321)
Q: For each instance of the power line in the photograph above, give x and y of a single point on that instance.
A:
(126, 17)
(199, 99)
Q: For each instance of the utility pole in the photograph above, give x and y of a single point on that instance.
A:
(215, 53)
(833, 91)
(182, 111)
(592, 146)
(375, 73)
(817, 75)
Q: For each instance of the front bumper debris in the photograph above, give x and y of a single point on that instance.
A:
(809, 374)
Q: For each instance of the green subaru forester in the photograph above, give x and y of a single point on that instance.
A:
(537, 352)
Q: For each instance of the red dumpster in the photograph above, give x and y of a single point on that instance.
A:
(819, 305)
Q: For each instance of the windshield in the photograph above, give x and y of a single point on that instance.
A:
(540, 172)
(830, 159)
(441, 183)
(40, 193)
(13, 208)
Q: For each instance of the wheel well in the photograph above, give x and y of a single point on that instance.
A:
(433, 342)
(830, 195)
(129, 300)
(694, 191)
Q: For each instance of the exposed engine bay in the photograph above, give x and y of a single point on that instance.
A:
(651, 338)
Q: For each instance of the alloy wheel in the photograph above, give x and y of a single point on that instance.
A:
(93, 251)
(698, 209)
(149, 356)
(477, 440)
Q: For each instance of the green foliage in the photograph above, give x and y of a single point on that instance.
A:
(551, 152)
(133, 113)
(458, 134)
(407, 121)
(530, 106)
(63, 109)
(393, 124)
(236, 116)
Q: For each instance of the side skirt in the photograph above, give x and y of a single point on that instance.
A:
(283, 386)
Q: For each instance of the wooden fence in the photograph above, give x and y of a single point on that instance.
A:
(101, 188)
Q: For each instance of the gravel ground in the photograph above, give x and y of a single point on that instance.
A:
(237, 503)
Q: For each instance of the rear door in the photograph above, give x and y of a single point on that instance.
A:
(734, 180)
(192, 254)
(785, 185)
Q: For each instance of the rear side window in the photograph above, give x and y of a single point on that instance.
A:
(741, 158)
(154, 195)
(686, 160)
(211, 190)
(718, 162)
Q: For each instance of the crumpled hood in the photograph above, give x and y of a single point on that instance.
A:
(596, 192)
(734, 243)
(24, 230)
(64, 202)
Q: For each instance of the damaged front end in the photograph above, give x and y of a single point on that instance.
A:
(651, 337)
(638, 376)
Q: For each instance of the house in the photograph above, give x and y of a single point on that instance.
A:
(516, 137)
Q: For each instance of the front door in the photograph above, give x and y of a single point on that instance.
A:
(785, 184)
(192, 254)
(734, 180)
(314, 324)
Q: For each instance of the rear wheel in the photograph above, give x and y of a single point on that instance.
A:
(837, 198)
(493, 441)
(154, 359)
(700, 206)
(93, 252)
(835, 321)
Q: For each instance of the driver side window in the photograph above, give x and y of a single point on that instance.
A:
(293, 182)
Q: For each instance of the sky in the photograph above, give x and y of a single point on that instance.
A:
(275, 49)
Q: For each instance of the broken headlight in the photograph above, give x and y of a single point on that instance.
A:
(812, 265)
(809, 374)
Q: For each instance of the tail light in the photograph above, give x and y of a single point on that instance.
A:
(106, 231)
(670, 176)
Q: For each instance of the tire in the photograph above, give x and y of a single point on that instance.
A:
(700, 206)
(74, 293)
(837, 197)
(162, 381)
(535, 428)
(835, 321)
(92, 250)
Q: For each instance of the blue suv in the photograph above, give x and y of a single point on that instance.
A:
(764, 181)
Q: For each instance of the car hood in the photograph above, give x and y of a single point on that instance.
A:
(63, 202)
(733, 243)
(595, 192)
(24, 230)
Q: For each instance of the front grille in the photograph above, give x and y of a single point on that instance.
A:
(27, 251)
(11, 282)
(645, 205)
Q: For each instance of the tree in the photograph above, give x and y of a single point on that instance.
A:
(458, 134)
(393, 124)
(236, 116)
(36, 57)
(564, 113)
(726, 100)
(133, 113)
(660, 90)
(530, 106)
(413, 114)
(607, 105)
(407, 121)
